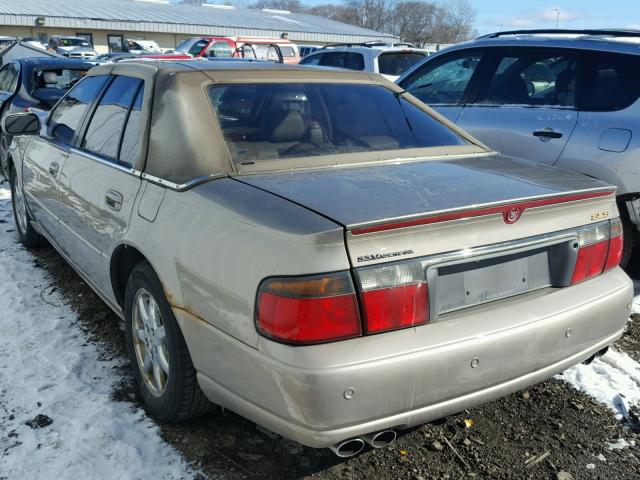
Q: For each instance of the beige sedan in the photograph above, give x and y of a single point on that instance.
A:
(315, 250)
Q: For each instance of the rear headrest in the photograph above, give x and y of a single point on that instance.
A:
(283, 126)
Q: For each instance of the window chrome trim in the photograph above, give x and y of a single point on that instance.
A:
(106, 162)
(181, 187)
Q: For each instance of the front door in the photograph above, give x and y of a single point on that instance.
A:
(526, 103)
(47, 155)
(98, 183)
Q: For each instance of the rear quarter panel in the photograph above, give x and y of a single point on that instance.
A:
(212, 246)
(588, 153)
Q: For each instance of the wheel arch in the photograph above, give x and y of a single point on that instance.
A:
(124, 259)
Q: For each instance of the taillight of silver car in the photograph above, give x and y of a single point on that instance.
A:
(599, 249)
(323, 308)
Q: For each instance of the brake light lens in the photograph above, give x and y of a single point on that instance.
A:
(394, 297)
(616, 245)
(307, 310)
(600, 249)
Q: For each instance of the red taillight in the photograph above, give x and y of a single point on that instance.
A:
(309, 310)
(396, 307)
(393, 296)
(616, 245)
(590, 261)
(600, 250)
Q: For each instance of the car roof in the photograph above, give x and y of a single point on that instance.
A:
(226, 68)
(52, 62)
(617, 41)
(373, 50)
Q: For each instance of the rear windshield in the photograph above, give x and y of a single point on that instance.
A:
(396, 63)
(262, 122)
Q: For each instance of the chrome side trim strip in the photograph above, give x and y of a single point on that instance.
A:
(103, 161)
(180, 187)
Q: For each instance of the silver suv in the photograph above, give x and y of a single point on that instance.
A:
(562, 97)
(389, 60)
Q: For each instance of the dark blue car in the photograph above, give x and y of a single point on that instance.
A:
(36, 82)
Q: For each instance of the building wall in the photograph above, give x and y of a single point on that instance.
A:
(100, 37)
(164, 40)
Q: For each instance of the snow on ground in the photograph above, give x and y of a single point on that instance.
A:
(611, 375)
(606, 377)
(46, 367)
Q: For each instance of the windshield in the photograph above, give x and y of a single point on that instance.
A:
(74, 42)
(192, 46)
(396, 63)
(271, 121)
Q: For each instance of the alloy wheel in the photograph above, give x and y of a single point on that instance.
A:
(150, 342)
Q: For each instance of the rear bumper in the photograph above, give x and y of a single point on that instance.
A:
(323, 394)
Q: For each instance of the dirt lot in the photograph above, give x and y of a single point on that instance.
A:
(567, 429)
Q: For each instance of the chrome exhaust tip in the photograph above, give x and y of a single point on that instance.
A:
(348, 448)
(380, 439)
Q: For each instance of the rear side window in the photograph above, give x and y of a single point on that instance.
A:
(534, 77)
(220, 49)
(108, 121)
(66, 117)
(396, 63)
(10, 81)
(610, 82)
(56, 78)
(272, 121)
(348, 60)
(443, 82)
(287, 52)
(130, 149)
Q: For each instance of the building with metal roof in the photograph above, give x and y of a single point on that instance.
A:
(107, 22)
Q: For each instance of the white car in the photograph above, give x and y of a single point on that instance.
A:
(142, 46)
(390, 61)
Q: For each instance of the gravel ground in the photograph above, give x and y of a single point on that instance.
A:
(553, 427)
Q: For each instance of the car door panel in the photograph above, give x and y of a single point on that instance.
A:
(91, 222)
(538, 133)
(98, 185)
(41, 167)
(525, 104)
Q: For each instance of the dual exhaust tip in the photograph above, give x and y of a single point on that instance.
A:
(353, 446)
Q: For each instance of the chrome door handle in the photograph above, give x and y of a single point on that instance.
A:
(547, 133)
(113, 199)
(54, 168)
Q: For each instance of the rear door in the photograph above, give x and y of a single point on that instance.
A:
(98, 182)
(525, 105)
(47, 154)
(446, 82)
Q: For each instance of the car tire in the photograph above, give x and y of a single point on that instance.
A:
(159, 356)
(27, 234)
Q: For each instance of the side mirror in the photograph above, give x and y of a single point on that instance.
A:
(21, 124)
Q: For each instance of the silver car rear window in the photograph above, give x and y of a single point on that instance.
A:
(262, 122)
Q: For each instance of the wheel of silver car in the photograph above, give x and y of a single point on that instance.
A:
(28, 236)
(159, 356)
(150, 342)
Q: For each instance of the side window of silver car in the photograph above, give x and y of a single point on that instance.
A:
(443, 83)
(532, 78)
(107, 125)
(609, 82)
(65, 119)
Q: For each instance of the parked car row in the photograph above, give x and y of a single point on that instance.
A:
(320, 251)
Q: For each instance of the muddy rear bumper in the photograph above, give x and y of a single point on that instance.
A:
(323, 394)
